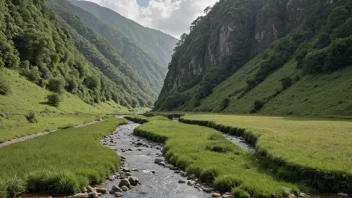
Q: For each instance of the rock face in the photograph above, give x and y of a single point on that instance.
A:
(232, 33)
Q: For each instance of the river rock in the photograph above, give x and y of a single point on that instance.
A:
(207, 189)
(191, 177)
(181, 181)
(158, 160)
(80, 195)
(112, 178)
(124, 169)
(133, 181)
(93, 195)
(102, 190)
(128, 174)
(190, 183)
(90, 189)
(116, 189)
(301, 194)
(342, 195)
(162, 163)
(124, 188)
(118, 194)
(216, 195)
(124, 182)
(227, 195)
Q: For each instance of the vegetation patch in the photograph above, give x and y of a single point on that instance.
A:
(72, 159)
(322, 144)
(186, 147)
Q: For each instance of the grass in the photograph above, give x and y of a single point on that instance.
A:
(314, 149)
(26, 96)
(61, 162)
(206, 153)
(17, 126)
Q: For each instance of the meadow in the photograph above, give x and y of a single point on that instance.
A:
(59, 163)
(206, 153)
(17, 126)
(317, 150)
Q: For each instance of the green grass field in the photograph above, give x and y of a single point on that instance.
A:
(60, 162)
(206, 153)
(18, 126)
(317, 146)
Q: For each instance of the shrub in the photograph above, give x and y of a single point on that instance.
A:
(225, 103)
(286, 82)
(239, 193)
(34, 75)
(257, 106)
(15, 186)
(31, 117)
(54, 99)
(208, 175)
(56, 85)
(4, 88)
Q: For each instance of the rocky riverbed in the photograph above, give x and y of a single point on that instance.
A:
(145, 161)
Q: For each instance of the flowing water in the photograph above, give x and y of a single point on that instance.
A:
(157, 181)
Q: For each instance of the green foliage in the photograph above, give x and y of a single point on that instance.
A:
(224, 104)
(238, 192)
(286, 82)
(54, 99)
(31, 117)
(4, 87)
(56, 169)
(56, 85)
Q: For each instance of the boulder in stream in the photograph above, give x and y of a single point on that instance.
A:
(116, 189)
(124, 182)
(118, 194)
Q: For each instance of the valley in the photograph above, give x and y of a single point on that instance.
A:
(253, 101)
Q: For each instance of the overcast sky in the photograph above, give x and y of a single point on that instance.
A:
(170, 16)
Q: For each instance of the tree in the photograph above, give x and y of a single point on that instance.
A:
(207, 10)
(54, 99)
(4, 87)
(286, 82)
(56, 85)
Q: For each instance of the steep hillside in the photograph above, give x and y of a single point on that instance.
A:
(37, 46)
(142, 63)
(269, 57)
(153, 42)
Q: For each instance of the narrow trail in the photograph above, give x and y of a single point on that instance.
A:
(24, 138)
(161, 181)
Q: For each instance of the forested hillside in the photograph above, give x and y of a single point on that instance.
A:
(154, 43)
(270, 57)
(61, 53)
(142, 63)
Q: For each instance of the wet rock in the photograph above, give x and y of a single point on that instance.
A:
(342, 195)
(124, 169)
(124, 182)
(291, 196)
(124, 188)
(80, 195)
(184, 174)
(128, 174)
(102, 190)
(301, 194)
(162, 163)
(100, 194)
(116, 189)
(207, 189)
(90, 189)
(153, 171)
(181, 181)
(190, 183)
(112, 178)
(227, 195)
(191, 177)
(122, 157)
(118, 194)
(158, 160)
(133, 181)
(216, 195)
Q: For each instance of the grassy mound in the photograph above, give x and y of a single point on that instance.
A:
(60, 162)
(206, 153)
(313, 151)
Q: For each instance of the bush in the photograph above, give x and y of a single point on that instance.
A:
(15, 186)
(257, 106)
(54, 99)
(239, 193)
(34, 75)
(4, 88)
(56, 85)
(31, 117)
(286, 82)
(225, 103)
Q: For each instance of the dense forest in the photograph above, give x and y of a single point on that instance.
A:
(263, 36)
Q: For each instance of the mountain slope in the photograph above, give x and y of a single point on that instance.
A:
(153, 42)
(269, 57)
(104, 56)
(144, 65)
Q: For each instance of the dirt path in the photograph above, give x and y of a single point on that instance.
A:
(21, 139)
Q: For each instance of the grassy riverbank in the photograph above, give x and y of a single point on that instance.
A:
(60, 162)
(206, 153)
(315, 150)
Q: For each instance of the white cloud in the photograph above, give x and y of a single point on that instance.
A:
(170, 16)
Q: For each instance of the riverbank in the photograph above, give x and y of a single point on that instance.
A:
(208, 155)
(58, 163)
(310, 151)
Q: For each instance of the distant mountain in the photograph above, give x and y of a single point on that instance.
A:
(274, 57)
(141, 62)
(154, 43)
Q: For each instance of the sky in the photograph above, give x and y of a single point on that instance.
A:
(170, 16)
